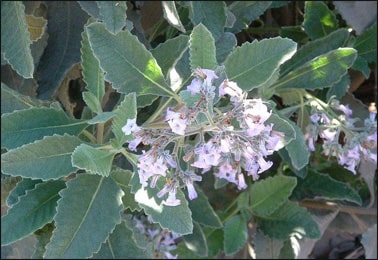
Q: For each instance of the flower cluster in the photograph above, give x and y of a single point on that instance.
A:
(232, 141)
(341, 137)
(164, 241)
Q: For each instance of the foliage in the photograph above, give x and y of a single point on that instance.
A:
(186, 136)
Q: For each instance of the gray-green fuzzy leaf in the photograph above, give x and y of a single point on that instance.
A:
(202, 48)
(126, 110)
(93, 75)
(269, 194)
(129, 66)
(120, 245)
(35, 209)
(113, 14)
(288, 220)
(12, 100)
(21, 188)
(253, 64)
(93, 160)
(49, 158)
(96, 202)
(245, 12)
(235, 234)
(211, 14)
(25, 126)
(15, 38)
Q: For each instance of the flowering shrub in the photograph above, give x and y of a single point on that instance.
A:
(187, 144)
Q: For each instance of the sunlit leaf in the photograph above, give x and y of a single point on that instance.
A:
(129, 66)
(171, 15)
(318, 19)
(253, 64)
(320, 72)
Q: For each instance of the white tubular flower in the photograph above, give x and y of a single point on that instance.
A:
(130, 127)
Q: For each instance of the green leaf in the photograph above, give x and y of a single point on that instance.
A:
(269, 194)
(320, 72)
(267, 55)
(122, 178)
(235, 234)
(284, 154)
(91, 8)
(15, 38)
(214, 241)
(96, 204)
(366, 44)
(120, 245)
(36, 208)
(177, 219)
(211, 14)
(289, 248)
(91, 101)
(340, 88)
(12, 100)
(246, 12)
(171, 15)
(113, 14)
(296, 33)
(362, 65)
(287, 220)
(297, 149)
(224, 45)
(323, 186)
(168, 52)
(126, 110)
(49, 158)
(315, 48)
(319, 21)
(25, 126)
(65, 24)
(93, 75)
(196, 241)
(202, 48)
(102, 118)
(266, 247)
(93, 160)
(129, 66)
(138, 236)
(24, 185)
(203, 212)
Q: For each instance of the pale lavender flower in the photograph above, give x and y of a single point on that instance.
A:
(172, 200)
(176, 122)
(130, 127)
(195, 86)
